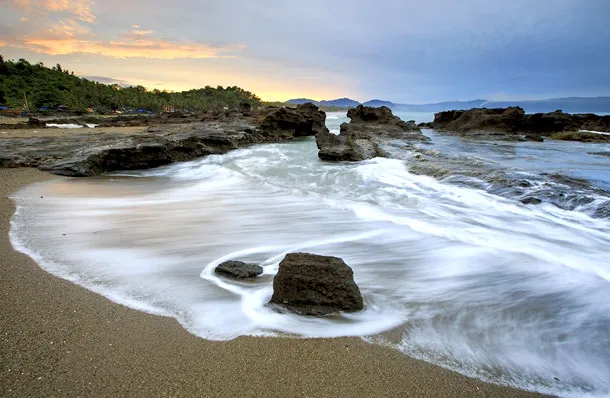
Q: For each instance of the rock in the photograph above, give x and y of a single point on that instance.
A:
(360, 139)
(304, 120)
(479, 119)
(245, 108)
(510, 122)
(168, 140)
(581, 136)
(531, 201)
(35, 123)
(535, 138)
(309, 284)
(238, 270)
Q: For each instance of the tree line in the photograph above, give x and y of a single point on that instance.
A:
(36, 86)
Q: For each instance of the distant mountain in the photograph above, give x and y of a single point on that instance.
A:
(568, 104)
(379, 103)
(301, 101)
(341, 102)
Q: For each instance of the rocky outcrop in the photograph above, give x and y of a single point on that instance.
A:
(514, 123)
(362, 137)
(309, 284)
(238, 270)
(304, 120)
(479, 119)
(82, 155)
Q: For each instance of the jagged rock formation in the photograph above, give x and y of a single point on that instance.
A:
(360, 139)
(514, 122)
(309, 284)
(93, 154)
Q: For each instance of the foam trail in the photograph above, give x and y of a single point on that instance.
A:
(450, 271)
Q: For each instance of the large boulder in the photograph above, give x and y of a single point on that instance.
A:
(363, 114)
(360, 139)
(304, 120)
(310, 284)
(238, 270)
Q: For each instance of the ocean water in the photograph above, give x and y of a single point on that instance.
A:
(454, 270)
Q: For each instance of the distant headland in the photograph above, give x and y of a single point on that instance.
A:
(567, 104)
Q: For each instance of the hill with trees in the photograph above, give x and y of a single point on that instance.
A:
(41, 87)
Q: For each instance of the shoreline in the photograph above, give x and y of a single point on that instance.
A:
(60, 339)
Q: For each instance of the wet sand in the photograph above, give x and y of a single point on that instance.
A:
(58, 339)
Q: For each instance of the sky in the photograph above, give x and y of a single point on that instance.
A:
(405, 51)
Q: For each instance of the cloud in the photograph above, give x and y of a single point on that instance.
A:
(407, 51)
(108, 80)
(137, 32)
(75, 35)
(80, 9)
(127, 48)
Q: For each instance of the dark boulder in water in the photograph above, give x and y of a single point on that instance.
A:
(360, 139)
(310, 284)
(531, 201)
(238, 270)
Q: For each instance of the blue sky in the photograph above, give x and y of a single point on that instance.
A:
(404, 51)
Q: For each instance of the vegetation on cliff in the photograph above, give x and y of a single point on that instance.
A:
(43, 87)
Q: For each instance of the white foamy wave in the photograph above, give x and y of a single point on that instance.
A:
(481, 284)
(595, 132)
(64, 125)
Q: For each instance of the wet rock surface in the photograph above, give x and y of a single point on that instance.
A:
(238, 270)
(360, 139)
(92, 154)
(310, 284)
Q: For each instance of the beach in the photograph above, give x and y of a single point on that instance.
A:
(59, 339)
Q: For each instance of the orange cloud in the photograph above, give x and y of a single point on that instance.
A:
(81, 9)
(66, 28)
(128, 47)
(141, 32)
(72, 34)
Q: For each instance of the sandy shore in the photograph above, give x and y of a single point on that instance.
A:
(58, 339)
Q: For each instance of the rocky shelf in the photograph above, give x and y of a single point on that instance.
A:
(514, 123)
(81, 155)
